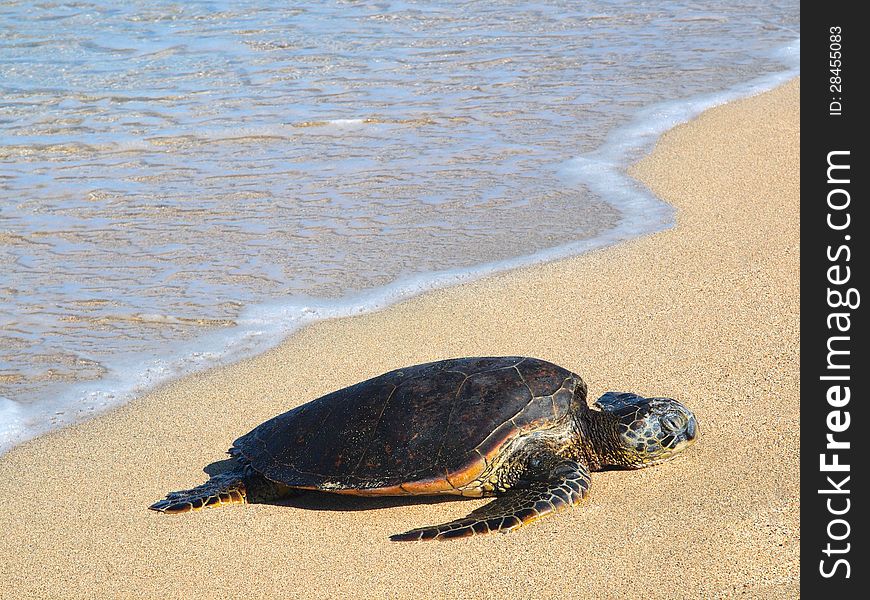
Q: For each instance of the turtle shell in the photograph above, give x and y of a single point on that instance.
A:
(423, 429)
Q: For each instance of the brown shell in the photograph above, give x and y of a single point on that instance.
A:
(417, 430)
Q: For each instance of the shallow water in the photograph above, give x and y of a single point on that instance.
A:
(181, 183)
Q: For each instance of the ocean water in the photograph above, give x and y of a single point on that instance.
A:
(184, 183)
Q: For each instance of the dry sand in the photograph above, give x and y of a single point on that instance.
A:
(706, 312)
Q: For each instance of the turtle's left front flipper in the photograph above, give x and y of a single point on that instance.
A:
(518, 506)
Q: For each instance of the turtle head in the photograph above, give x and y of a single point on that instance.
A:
(650, 430)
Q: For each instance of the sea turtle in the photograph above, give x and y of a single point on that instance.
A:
(515, 428)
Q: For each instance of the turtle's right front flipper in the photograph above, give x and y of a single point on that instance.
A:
(515, 508)
(226, 488)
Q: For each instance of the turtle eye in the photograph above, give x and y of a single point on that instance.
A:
(674, 421)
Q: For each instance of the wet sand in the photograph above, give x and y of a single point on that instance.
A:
(706, 312)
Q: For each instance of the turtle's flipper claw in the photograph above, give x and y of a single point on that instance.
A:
(161, 506)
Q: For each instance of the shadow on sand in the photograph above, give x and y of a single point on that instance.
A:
(313, 500)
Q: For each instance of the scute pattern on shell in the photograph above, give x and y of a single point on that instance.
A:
(423, 426)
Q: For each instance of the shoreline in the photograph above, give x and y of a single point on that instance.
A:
(263, 327)
(679, 312)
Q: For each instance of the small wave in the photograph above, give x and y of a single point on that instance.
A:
(13, 424)
(156, 319)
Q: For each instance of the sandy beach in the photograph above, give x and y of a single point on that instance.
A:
(706, 312)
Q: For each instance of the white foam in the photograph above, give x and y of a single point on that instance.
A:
(263, 326)
(340, 122)
(13, 423)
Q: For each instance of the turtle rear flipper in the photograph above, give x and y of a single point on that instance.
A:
(226, 488)
(514, 509)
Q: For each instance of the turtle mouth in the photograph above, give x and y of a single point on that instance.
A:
(692, 430)
(688, 438)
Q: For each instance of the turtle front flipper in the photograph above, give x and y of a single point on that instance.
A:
(226, 488)
(518, 506)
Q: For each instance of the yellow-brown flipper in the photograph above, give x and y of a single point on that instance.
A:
(518, 506)
(226, 488)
